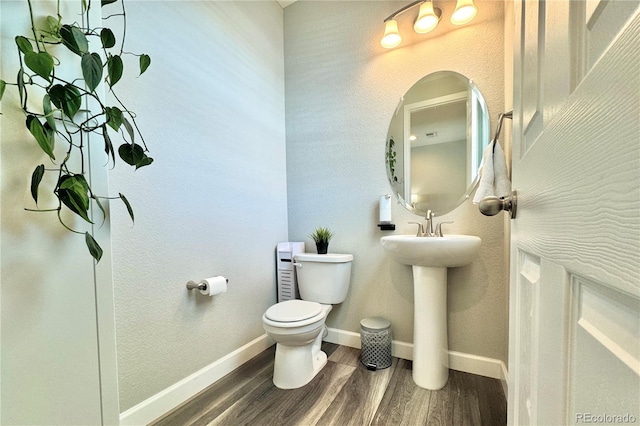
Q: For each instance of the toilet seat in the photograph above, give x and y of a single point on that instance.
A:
(295, 313)
(293, 310)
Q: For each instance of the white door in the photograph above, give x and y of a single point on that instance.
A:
(574, 355)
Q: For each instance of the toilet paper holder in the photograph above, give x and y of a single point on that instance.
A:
(191, 285)
(196, 286)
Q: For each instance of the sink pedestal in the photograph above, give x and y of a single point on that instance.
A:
(430, 257)
(430, 343)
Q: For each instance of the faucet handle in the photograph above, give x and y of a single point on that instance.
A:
(420, 229)
(439, 229)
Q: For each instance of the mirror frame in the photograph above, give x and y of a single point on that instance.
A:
(483, 140)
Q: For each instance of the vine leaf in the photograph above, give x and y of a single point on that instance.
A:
(145, 61)
(67, 97)
(44, 135)
(144, 162)
(24, 44)
(114, 68)
(20, 83)
(73, 191)
(48, 112)
(3, 85)
(93, 246)
(134, 155)
(54, 26)
(41, 63)
(36, 178)
(131, 153)
(107, 38)
(108, 146)
(127, 126)
(126, 203)
(114, 117)
(104, 212)
(74, 39)
(106, 2)
(91, 70)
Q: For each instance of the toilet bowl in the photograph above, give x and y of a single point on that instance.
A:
(298, 326)
(298, 341)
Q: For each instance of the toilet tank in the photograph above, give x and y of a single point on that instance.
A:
(323, 278)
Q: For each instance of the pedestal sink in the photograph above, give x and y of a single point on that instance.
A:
(430, 257)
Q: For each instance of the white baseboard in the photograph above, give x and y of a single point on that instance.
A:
(166, 400)
(505, 380)
(349, 338)
(474, 364)
(341, 337)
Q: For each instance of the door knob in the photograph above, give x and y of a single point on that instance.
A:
(491, 206)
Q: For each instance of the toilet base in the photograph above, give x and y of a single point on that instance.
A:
(295, 366)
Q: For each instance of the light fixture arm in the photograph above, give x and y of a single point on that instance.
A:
(404, 9)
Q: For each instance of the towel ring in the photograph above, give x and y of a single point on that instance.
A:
(501, 117)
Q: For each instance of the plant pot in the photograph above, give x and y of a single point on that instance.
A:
(322, 247)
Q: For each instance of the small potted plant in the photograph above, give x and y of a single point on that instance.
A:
(321, 236)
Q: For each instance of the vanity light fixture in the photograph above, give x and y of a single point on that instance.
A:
(427, 20)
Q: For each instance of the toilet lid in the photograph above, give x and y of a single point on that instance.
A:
(293, 310)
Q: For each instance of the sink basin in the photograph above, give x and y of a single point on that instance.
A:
(429, 258)
(439, 252)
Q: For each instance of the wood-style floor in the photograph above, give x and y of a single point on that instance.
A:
(343, 393)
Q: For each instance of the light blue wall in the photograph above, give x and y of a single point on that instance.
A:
(211, 107)
(342, 88)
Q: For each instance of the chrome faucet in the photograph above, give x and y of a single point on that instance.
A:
(420, 232)
(426, 230)
(439, 229)
(428, 227)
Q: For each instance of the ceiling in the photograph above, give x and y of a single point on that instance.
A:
(285, 3)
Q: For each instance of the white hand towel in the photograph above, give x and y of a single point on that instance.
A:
(485, 186)
(501, 182)
(494, 177)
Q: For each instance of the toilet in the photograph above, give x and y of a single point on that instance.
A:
(297, 326)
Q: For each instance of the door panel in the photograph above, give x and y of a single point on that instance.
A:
(603, 19)
(575, 245)
(532, 85)
(605, 364)
(527, 342)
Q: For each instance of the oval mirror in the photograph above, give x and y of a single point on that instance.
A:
(435, 143)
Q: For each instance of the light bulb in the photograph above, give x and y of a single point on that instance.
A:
(428, 18)
(464, 13)
(391, 36)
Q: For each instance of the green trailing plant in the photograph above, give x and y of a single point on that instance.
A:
(321, 235)
(390, 156)
(60, 117)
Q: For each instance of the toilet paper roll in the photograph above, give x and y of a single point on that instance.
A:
(215, 285)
